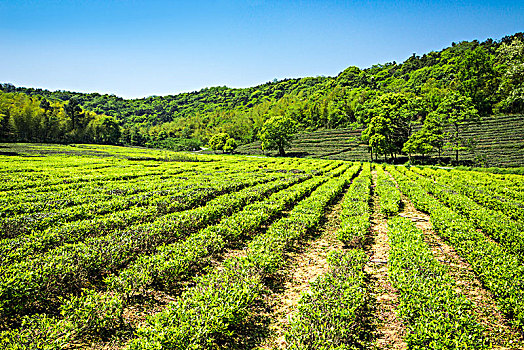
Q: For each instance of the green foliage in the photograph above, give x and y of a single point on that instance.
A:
(511, 58)
(477, 79)
(437, 317)
(355, 216)
(427, 138)
(230, 145)
(205, 314)
(218, 141)
(277, 133)
(389, 118)
(176, 144)
(333, 314)
(38, 332)
(388, 100)
(499, 270)
(388, 193)
(74, 271)
(104, 130)
(92, 313)
(457, 111)
(30, 119)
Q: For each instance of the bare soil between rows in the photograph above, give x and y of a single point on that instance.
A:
(388, 327)
(499, 332)
(306, 262)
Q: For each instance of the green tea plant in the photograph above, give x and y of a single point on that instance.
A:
(436, 316)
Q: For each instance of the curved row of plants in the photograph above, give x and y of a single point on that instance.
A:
(435, 314)
(498, 226)
(112, 175)
(27, 202)
(333, 313)
(96, 206)
(98, 313)
(388, 193)
(203, 315)
(514, 211)
(38, 282)
(63, 195)
(172, 262)
(510, 187)
(499, 270)
(146, 208)
(355, 215)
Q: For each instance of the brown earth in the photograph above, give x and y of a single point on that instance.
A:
(498, 330)
(388, 326)
(306, 263)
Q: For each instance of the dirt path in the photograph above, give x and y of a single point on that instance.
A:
(305, 264)
(498, 330)
(388, 326)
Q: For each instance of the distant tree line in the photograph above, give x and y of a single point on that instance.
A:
(35, 119)
(403, 108)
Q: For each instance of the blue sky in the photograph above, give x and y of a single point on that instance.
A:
(140, 48)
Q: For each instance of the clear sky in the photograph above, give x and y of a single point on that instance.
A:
(152, 47)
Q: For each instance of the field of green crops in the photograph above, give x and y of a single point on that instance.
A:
(105, 247)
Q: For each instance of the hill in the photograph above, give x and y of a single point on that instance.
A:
(439, 91)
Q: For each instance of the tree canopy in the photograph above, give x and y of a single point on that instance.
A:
(277, 133)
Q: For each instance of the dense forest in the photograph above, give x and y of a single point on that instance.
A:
(403, 108)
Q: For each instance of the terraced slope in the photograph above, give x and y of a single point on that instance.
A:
(500, 143)
(343, 144)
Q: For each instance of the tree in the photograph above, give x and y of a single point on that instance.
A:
(511, 58)
(230, 145)
(277, 133)
(46, 106)
(476, 78)
(377, 134)
(5, 113)
(427, 138)
(457, 111)
(72, 110)
(389, 120)
(218, 141)
(104, 130)
(419, 142)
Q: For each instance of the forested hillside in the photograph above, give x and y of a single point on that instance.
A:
(420, 106)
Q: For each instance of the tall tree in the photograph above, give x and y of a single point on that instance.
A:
(104, 130)
(511, 65)
(427, 138)
(458, 112)
(277, 133)
(230, 145)
(389, 120)
(477, 79)
(72, 110)
(46, 106)
(218, 141)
